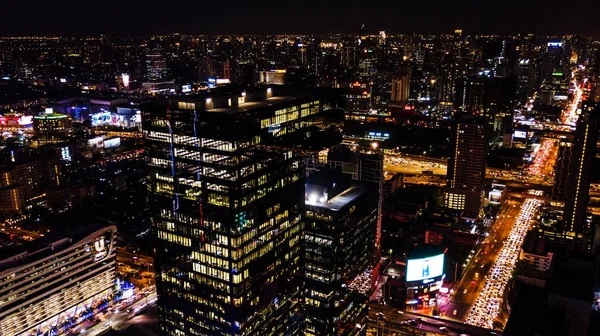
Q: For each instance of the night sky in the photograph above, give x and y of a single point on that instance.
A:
(128, 17)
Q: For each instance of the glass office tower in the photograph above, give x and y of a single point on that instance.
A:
(227, 196)
(339, 249)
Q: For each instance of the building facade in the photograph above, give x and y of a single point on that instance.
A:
(578, 226)
(228, 208)
(51, 127)
(361, 164)
(25, 180)
(466, 168)
(48, 284)
(400, 89)
(339, 245)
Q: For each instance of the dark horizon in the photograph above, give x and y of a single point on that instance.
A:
(132, 18)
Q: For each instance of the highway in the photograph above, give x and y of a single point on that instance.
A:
(479, 265)
(394, 164)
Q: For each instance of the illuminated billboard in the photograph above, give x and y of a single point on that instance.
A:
(125, 78)
(520, 134)
(212, 83)
(97, 142)
(101, 118)
(425, 268)
(14, 120)
(112, 142)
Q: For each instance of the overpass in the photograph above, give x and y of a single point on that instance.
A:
(384, 321)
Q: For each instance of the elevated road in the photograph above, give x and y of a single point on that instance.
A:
(384, 321)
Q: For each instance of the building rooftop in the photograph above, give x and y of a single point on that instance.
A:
(53, 115)
(535, 244)
(29, 252)
(332, 190)
(425, 251)
(253, 105)
(573, 278)
(341, 200)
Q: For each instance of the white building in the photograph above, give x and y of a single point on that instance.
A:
(49, 283)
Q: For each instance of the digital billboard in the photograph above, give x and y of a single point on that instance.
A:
(97, 142)
(112, 142)
(521, 134)
(425, 268)
(101, 118)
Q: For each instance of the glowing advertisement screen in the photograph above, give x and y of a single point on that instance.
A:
(420, 269)
(521, 134)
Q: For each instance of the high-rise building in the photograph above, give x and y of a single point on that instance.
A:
(228, 207)
(48, 285)
(361, 164)
(339, 244)
(273, 76)
(561, 171)
(490, 97)
(400, 89)
(358, 97)
(156, 66)
(470, 95)
(50, 127)
(466, 167)
(577, 225)
(26, 178)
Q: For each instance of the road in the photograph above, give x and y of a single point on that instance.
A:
(394, 322)
(409, 166)
(20, 232)
(490, 299)
(122, 319)
(481, 263)
(542, 165)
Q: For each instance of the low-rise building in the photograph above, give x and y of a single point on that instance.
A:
(536, 252)
(49, 284)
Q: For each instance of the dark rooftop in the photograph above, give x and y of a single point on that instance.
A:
(535, 244)
(253, 105)
(336, 189)
(573, 278)
(426, 250)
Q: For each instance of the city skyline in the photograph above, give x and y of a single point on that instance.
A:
(365, 183)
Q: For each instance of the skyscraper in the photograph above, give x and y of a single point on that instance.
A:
(341, 223)
(156, 66)
(561, 171)
(228, 208)
(400, 89)
(466, 168)
(577, 190)
(365, 165)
